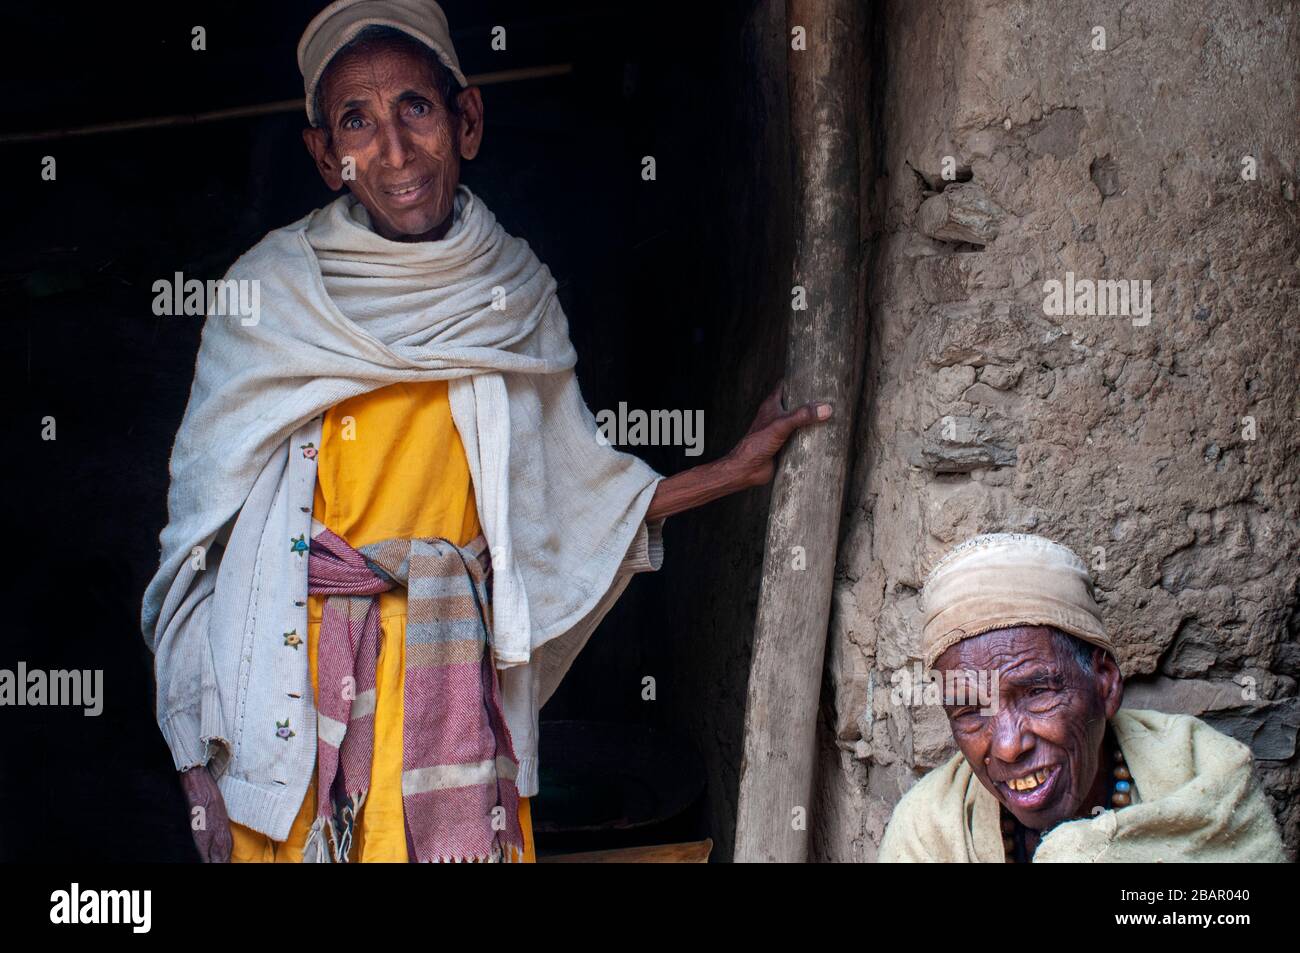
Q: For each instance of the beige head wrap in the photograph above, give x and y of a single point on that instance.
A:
(341, 21)
(1007, 579)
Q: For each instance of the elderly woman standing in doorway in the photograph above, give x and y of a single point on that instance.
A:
(392, 523)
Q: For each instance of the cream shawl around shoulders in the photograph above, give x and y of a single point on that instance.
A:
(1198, 801)
(476, 308)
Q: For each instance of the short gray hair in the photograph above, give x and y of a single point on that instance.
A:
(1073, 647)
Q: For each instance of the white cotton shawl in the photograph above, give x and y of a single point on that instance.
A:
(345, 311)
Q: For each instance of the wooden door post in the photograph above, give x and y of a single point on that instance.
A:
(774, 816)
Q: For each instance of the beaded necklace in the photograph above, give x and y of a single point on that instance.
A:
(1120, 795)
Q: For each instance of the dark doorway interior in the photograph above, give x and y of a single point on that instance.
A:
(675, 290)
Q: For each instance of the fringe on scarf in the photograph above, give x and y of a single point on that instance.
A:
(322, 840)
(507, 854)
(329, 840)
(316, 851)
(347, 821)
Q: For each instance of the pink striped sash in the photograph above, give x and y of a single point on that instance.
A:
(458, 763)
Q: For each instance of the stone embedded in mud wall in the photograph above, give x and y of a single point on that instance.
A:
(960, 213)
(955, 444)
(943, 278)
(1270, 728)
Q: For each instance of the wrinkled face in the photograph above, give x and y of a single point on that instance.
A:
(1040, 752)
(388, 126)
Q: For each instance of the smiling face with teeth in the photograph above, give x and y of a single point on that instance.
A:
(1040, 752)
(381, 107)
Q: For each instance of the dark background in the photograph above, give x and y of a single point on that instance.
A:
(675, 292)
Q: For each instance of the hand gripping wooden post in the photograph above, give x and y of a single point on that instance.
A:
(774, 816)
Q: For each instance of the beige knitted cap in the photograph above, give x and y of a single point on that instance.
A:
(341, 21)
(1006, 579)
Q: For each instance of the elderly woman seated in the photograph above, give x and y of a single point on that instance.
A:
(1050, 768)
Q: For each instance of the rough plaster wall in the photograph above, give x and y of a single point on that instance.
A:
(1090, 430)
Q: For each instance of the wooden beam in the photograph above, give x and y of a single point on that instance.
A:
(825, 81)
(260, 109)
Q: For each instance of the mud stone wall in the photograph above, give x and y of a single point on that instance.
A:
(1019, 146)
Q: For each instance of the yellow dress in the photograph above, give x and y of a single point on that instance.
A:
(390, 464)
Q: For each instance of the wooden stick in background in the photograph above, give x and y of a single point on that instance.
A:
(261, 109)
(785, 676)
